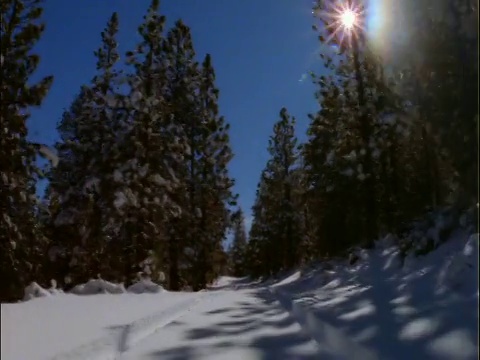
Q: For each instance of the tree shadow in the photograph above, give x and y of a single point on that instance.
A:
(383, 316)
(260, 327)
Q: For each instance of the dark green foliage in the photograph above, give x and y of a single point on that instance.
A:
(387, 145)
(239, 245)
(444, 86)
(276, 233)
(21, 241)
(80, 182)
(142, 185)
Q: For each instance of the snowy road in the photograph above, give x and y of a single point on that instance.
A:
(227, 324)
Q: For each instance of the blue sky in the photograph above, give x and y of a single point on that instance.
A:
(260, 50)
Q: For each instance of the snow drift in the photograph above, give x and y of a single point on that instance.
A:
(94, 287)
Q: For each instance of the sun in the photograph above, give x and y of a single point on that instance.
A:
(348, 19)
(343, 19)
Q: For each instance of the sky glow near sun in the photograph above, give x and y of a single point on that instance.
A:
(343, 20)
(370, 18)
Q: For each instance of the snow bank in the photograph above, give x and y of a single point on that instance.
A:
(98, 286)
(404, 303)
(426, 235)
(34, 290)
(145, 286)
(461, 270)
(94, 287)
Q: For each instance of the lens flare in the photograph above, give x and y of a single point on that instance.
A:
(348, 19)
(343, 19)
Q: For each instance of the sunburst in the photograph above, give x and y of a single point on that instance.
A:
(343, 19)
(348, 18)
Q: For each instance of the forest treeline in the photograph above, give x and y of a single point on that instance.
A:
(139, 183)
(391, 141)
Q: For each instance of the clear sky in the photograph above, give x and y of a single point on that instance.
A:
(261, 50)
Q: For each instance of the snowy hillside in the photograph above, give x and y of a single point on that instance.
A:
(373, 309)
(425, 310)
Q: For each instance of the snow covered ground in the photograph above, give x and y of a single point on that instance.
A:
(427, 309)
(77, 325)
(374, 309)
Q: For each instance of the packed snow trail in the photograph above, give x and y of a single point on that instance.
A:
(85, 327)
(230, 323)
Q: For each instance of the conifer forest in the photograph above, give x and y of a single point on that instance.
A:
(139, 181)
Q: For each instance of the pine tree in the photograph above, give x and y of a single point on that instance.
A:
(181, 85)
(280, 175)
(146, 177)
(444, 87)
(239, 244)
(352, 48)
(20, 240)
(367, 146)
(258, 260)
(61, 193)
(88, 135)
(330, 137)
(213, 182)
(276, 234)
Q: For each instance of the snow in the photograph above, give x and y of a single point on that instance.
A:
(330, 158)
(98, 286)
(348, 172)
(120, 200)
(461, 269)
(426, 310)
(378, 308)
(35, 291)
(230, 324)
(118, 176)
(82, 326)
(145, 286)
(49, 154)
(159, 180)
(361, 177)
(92, 183)
(352, 156)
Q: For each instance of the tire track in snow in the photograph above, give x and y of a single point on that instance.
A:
(111, 347)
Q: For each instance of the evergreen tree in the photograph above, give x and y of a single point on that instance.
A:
(213, 181)
(366, 147)
(280, 177)
(181, 85)
(258, 261)
(88, 136)
(239, 245)
(145, 176)
(353, 70)
(21, 243)
(442, 85)
(276, 233)
(329, 156)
